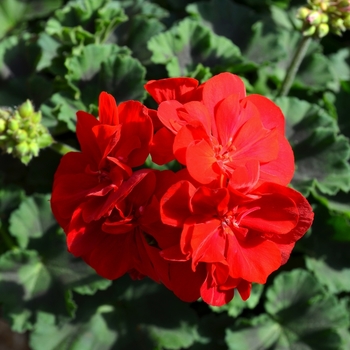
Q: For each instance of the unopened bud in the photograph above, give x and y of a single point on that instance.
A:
(324, 18)
(12, 124)
(22, 148)
(20, 135)
(314, 18)
(303, 12)
(2, 125)
(309, 31)
(347, 22)
(36, 117)
(323, 30)
(26, 109)
(34, 148)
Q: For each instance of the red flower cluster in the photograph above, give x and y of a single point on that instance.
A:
(225, 220)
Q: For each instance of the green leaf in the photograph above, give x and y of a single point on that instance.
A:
(316, 74)
(105, 68)
(40, 278)
(14, 12)
(84, 22)
(237, 305)
(301, 315)
(129, 315)
(189, 43)
(226, 18)
(32, 219)
(327, 257)
(321, 154)
(94, 334)
(10, 197)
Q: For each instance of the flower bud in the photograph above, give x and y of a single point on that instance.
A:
(2, 125)
(20, 135)
(309, 31)
(347, 22)
(22, 148)
(303, 12)
(323, 30)
(12, 124)
(26, 109)
(34, 148)
(314, 18)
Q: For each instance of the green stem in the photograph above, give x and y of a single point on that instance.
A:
(294, 65)
(62, 148)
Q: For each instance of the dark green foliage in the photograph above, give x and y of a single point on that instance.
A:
(61, 55)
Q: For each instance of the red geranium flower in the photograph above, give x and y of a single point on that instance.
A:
(110, 147)
(217, 129)
(127, 237)
(241, 233)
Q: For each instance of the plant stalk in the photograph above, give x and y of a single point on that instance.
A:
(62, 148)
(294, 66)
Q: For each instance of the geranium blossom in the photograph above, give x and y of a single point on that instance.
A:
(241, 237)
(110, 147)
(217, 129)
(225, 220)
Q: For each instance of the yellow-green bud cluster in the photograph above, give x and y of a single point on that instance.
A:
(323, 16)
(21, 132)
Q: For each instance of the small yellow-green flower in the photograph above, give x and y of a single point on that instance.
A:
(21, 132)
(323, 16)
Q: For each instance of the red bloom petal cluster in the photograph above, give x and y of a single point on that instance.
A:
(225, 220)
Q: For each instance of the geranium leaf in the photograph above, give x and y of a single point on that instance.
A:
(84, 22)
(327, 255)
(32, 219)
(105, 68)
(42, 277)
(189, 43)
(321, 154)
(119, 318)
(226, 18)
(14, 12)
(300, 315)
(93, 334)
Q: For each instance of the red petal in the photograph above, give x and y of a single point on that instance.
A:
(210, 202)
(168, 115)
(107, 109)
(171, 89)
(184, 282)
(254, 142)
(278, 213)
(219, 87)
(254, 259)
(174, 205)
(198, 112)
(87, 140)
(107, 137)
(208, 242)
(270, 114)
(186, 135)
(162, 146)
(229, 118)
(305, 214)
(244, 289)
(281, 169)
(245, 178)
(136, 133)
(212, 295)
(201, 162)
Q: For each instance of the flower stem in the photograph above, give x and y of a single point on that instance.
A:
(294, 65)
(62, 148)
